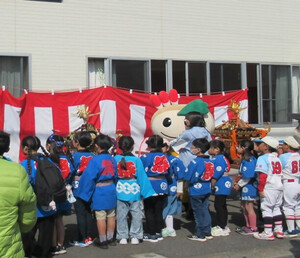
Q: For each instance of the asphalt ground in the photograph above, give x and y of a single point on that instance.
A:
(234, 245)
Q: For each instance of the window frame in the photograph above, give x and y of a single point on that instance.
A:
(29, 58)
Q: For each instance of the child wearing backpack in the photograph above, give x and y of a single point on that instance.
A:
(97, 184)
(82, 142)
(55, 145)
(45, 214)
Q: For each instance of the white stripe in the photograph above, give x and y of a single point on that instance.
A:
(220, 114)
(108, 117)
(74, 121)
(244, 113)
(43, 121)
(137, 124)
(12, 126)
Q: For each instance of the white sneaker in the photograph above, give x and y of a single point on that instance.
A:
(168, 232)
(218, 231)
(264, 236)
(134, 241)
(228, 229)
(123, 241)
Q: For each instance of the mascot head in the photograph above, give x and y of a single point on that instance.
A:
(168, 120)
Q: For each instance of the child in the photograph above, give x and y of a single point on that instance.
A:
(157, 168)
(248, 186)
(45, 214)
(172, 204)
(270, 189)
(132, 184)
(198, 175)
(290, 161)
(195, 128)
(221, 185)
(55, 146)
(97, 184)
(82, 141)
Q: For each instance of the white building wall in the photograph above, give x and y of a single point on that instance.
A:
(60, 36)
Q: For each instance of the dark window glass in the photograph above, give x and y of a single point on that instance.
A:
(231, 77)
(179, 76)
(129, 74)
(158, 75)
(197, 78)
(14, 74)
(215, 78)
(252, 93)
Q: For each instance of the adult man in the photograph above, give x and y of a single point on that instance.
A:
(17, 203)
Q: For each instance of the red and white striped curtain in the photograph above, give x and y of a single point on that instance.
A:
(130, 112)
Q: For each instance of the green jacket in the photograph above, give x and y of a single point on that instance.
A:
(17, 208)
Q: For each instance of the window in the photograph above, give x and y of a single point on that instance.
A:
(96, 72)
(14, 74)
(296, 89)
(197, 77)
(225, 77)
(252, 93)
(178, 68)
(158, 75)
(276, 93)
(130, 74)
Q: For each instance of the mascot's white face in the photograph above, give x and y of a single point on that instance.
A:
(166, 123)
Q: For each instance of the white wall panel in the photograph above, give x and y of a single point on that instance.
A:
(60, 36)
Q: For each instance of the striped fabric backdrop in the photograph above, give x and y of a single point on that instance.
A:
(39, 113)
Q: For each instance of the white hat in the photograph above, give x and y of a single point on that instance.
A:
(272, 142)
(291, 141)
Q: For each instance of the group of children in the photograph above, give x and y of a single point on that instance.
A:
(121, 187)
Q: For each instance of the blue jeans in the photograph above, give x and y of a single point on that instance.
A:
(136, 225)
(202, 216)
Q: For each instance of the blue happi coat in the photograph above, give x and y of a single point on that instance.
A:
(102, 169)
(133, 182)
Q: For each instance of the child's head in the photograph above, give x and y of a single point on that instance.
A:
(269, 144)
(194, 119)
(290, 144)
(54, 146)
(126, 143)
(82, 139)
(4, 142)
(165, 148)
(103, 143)
(216, 147)
(245, 148)
(155, 143)
(200, 146)
(256, 143)
(54, 141)
(30, 145)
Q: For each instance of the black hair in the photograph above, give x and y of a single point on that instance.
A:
(103, 141)
(126, 145)
(155, 142)
(32, 143)
(4, 142)
(84, 138)
(202, 144)
(223, 150)
(196, 119)
(249, 148)
(56, 143)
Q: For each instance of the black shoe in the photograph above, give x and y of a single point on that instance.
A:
(55, 250)
(112, 242)
(102, 245)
